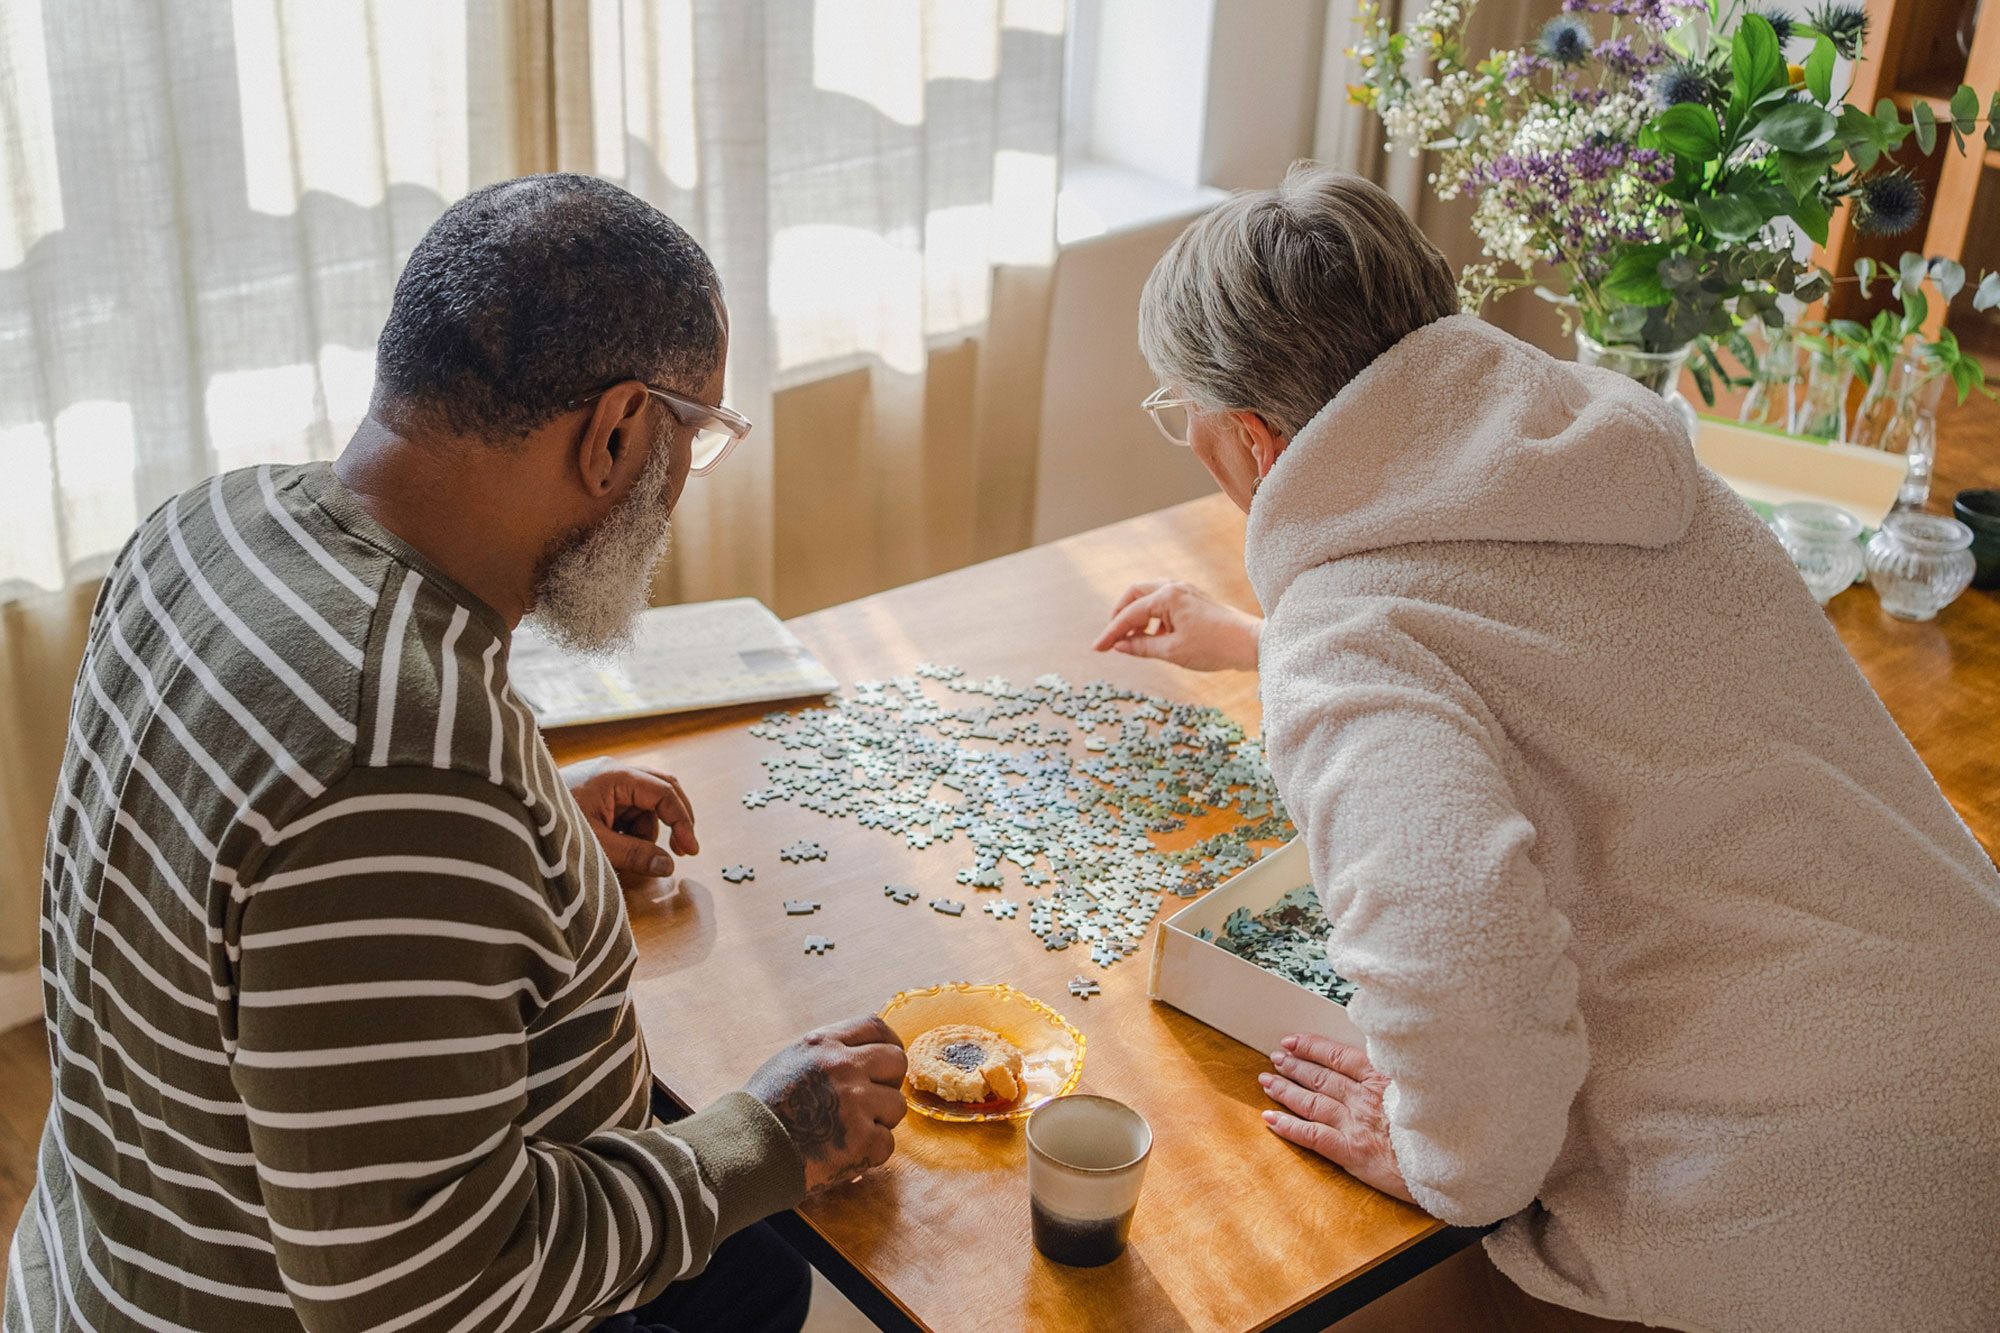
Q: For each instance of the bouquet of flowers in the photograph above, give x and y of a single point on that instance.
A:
(1657, 158)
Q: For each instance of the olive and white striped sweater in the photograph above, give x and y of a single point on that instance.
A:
(335, 971)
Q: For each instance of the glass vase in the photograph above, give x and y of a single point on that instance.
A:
(1774, 388)
(1899, 416)
(1823, 411)
(1820, 540)
(1919, 563)
(1657, 371)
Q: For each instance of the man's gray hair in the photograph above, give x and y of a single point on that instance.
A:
(1275, 299)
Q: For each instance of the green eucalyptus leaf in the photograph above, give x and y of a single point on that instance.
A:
(1924, 121)
(1910, 271)
(1819, 70)
(1798, 126)
(1729, 216)
(1865, 155)
(1993, 124)
(1864, 269)
(1949, 275)
(1988, 295)
(1964, 108)
(1688, 130)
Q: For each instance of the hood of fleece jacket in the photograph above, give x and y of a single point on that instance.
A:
(1461, 432)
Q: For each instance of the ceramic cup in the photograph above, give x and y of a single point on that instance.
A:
(1086, 1162)
(1980, 511)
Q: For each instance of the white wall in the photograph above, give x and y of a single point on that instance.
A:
(1101, 460)
(1160, 135)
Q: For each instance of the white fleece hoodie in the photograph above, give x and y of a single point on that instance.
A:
(1674, 954)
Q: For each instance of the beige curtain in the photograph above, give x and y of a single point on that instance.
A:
(204, 207)
(1351, 136)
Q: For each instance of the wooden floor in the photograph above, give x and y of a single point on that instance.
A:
(1968, 455)
(24, 1100)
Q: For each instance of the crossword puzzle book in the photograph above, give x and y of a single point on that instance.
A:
(682, 658)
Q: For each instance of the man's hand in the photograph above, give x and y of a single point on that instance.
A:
(1335, 1099)
(838, 1091)
(626, 807)
(1183, 625)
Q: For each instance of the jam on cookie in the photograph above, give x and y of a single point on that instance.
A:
(961, 1063)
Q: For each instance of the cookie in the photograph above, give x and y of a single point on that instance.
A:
(962, 1063)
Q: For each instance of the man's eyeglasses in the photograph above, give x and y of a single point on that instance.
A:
(1171, 414)
(717, 430)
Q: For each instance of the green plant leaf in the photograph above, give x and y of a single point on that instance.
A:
(1798, 126)
(1819, 70)
(1916, 309)
(1864, 269)
(1802, 173)
(1705, 386)
(1812, 217)
(1964, 377)
(1988, 295)
(1756, 62)
(1635, 278)
(1924, 121)
(1993, 124)
(1910, 271)
(1688, 130)
(1949, 275)
(1865, 155)
(1729, 216)
(1964, 108)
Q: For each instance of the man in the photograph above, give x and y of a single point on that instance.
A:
(335, 961)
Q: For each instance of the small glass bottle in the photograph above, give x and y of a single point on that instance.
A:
(1820, 540)
(1919, 563)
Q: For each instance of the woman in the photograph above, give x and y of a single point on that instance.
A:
(1669, 951)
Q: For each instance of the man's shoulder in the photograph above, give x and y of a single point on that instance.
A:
(298, 643)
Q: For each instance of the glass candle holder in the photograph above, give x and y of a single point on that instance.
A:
(1919, 563)
(1820, 540)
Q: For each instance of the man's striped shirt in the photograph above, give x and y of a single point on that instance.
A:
(335, 971)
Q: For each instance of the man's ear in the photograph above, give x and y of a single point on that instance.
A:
(612, 440)
(1264, 443)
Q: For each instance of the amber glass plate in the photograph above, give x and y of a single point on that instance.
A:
(1051, 1047)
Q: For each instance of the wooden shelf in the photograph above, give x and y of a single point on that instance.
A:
(1911, 56)
(1935, 91)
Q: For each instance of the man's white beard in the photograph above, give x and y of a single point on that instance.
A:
(595, 583)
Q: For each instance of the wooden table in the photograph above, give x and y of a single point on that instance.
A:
(1236, 1229)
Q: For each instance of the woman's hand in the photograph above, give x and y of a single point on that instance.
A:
(1180, 623)
(1334, 1097)
(626, 807)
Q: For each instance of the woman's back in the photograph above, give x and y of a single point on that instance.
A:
(1782, 944)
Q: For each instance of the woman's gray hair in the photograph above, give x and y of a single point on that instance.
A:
(1275, 299)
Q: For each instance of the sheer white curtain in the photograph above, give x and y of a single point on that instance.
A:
(204, 207)
(875, 178)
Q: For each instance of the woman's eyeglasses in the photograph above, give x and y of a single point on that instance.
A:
(1171, 414)
(717, 430)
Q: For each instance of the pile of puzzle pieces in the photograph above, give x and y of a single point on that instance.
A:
(1287, 938)
(994, 764)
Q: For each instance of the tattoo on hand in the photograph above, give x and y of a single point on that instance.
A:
(810, 1109)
